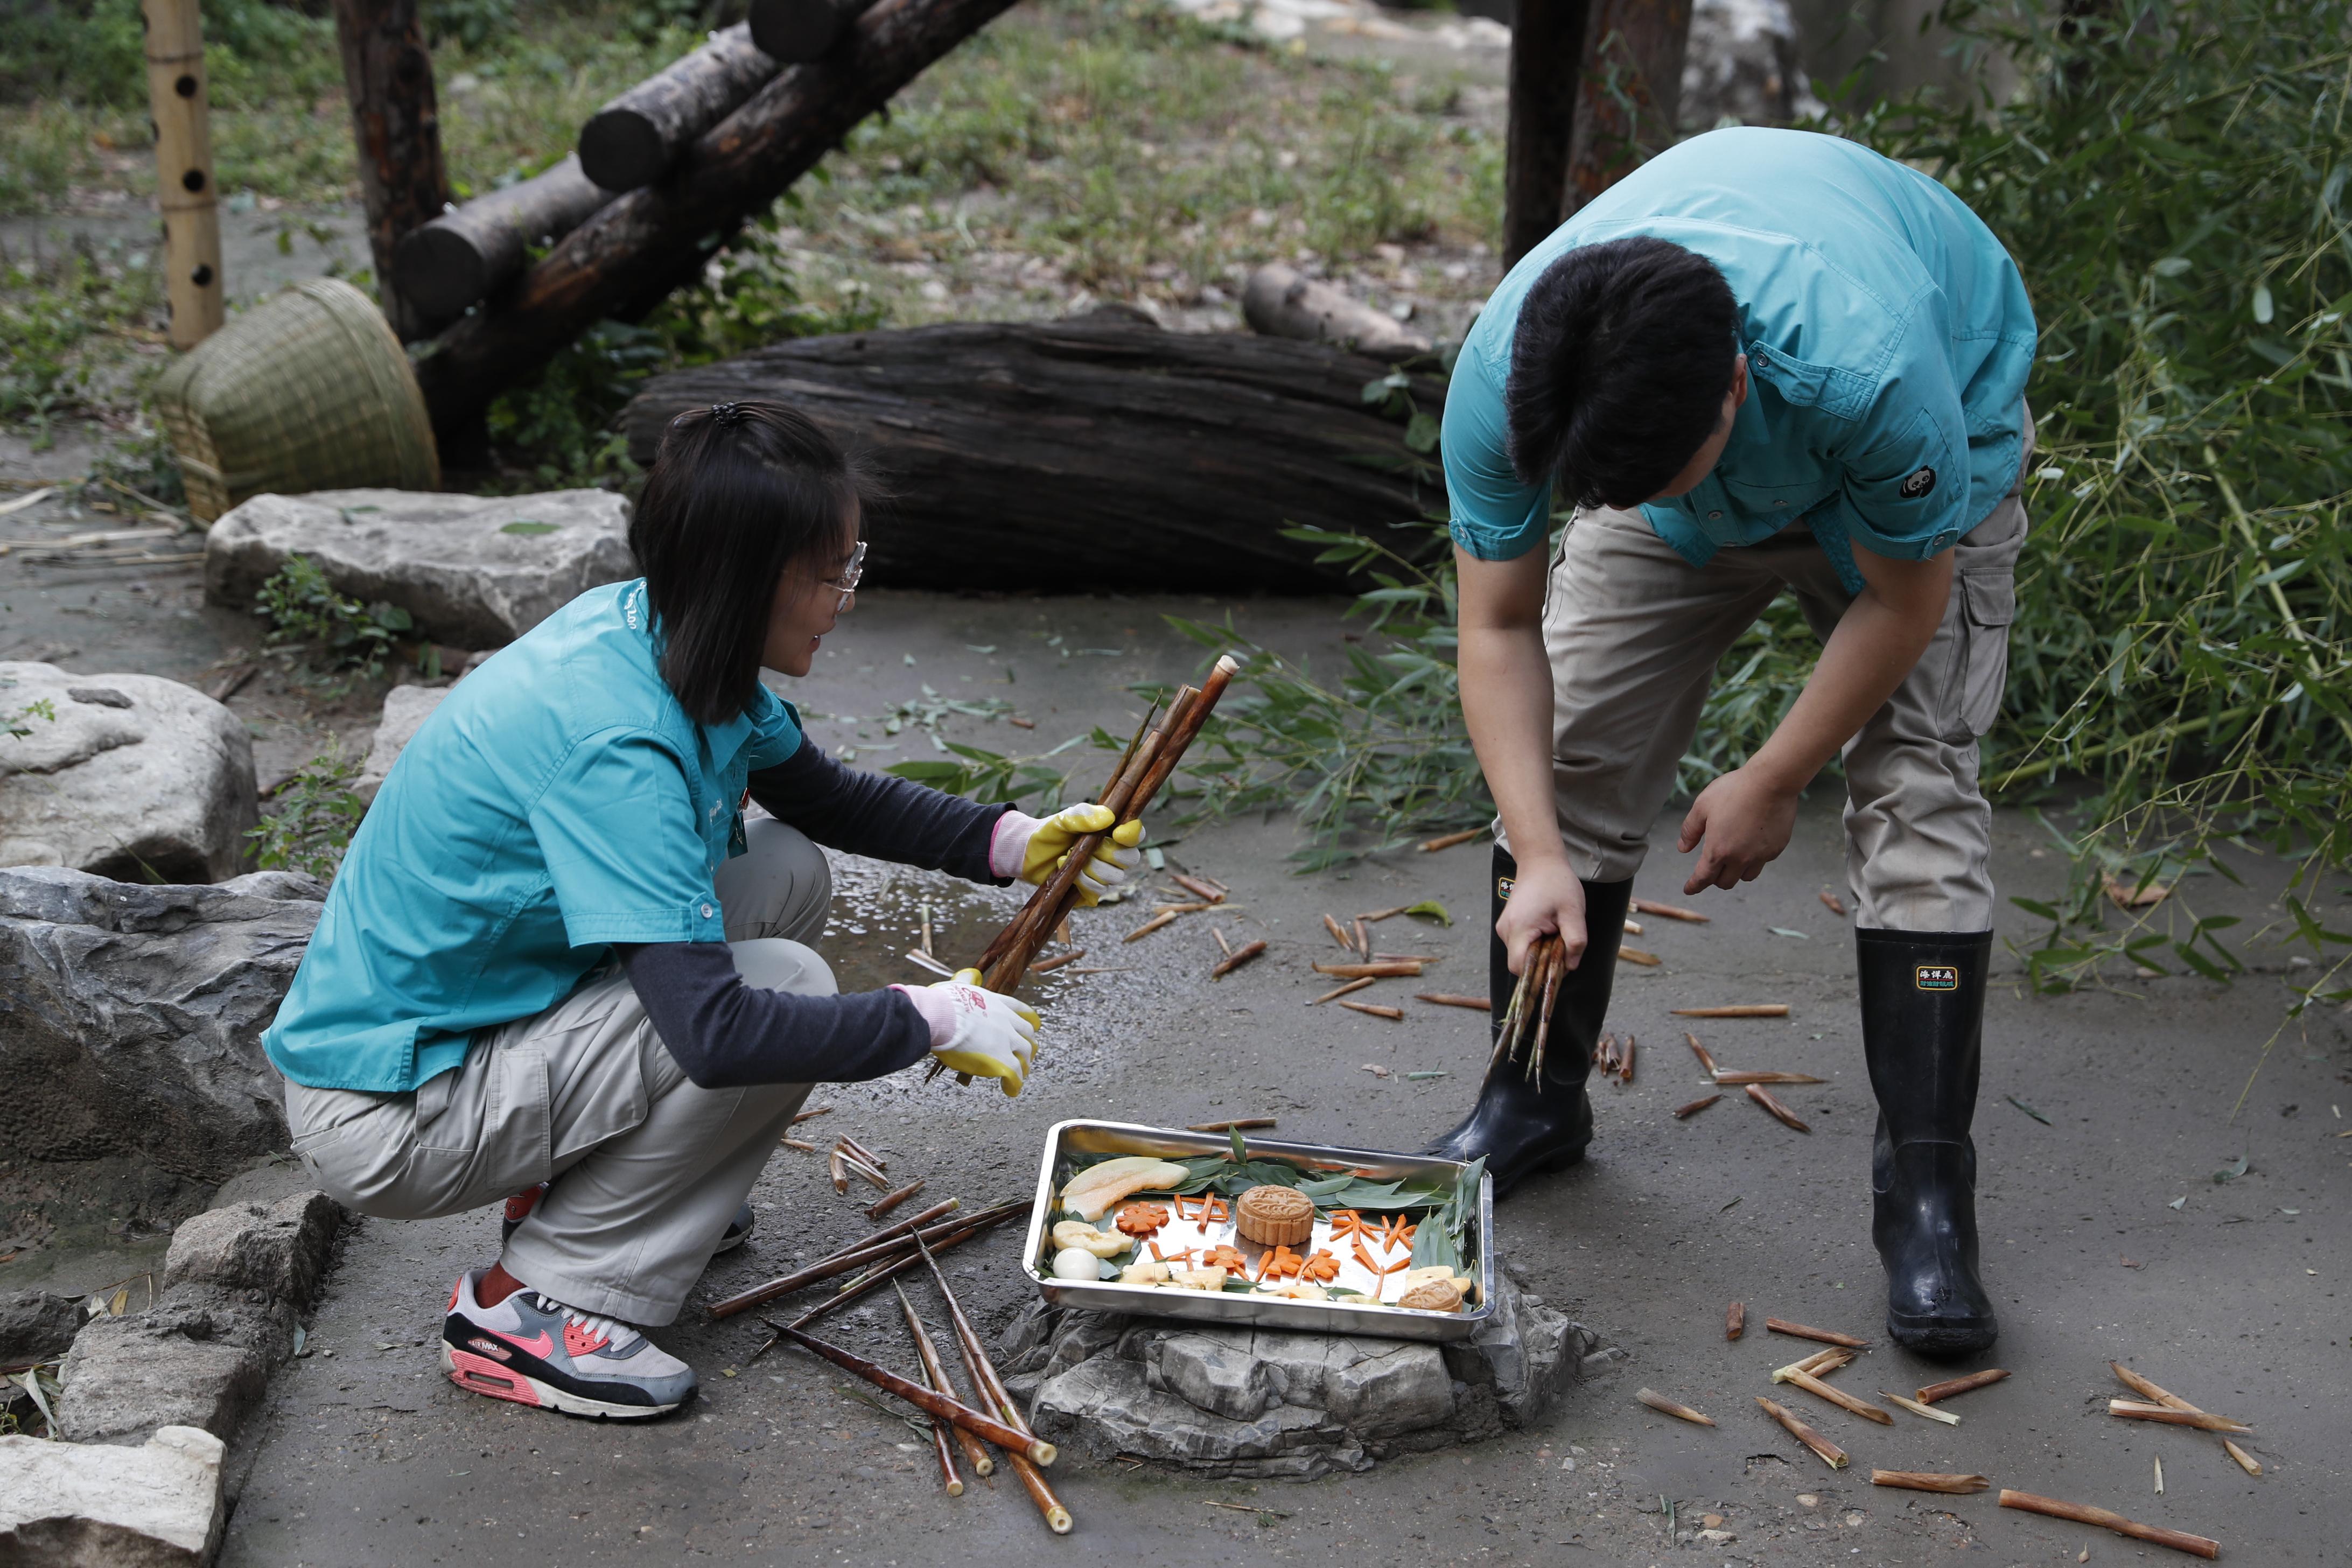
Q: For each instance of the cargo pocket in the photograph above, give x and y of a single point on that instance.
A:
(1989, 604)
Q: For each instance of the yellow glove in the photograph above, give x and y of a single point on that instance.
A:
(1030, 849)
(977, 1031)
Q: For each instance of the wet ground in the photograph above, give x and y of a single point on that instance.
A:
(2234, 1298)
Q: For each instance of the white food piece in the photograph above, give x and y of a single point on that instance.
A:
(1210, 1279)
(1147, 1273)
(1463, 1284)
(1075, 1263)
(1072, 1232)
(1298, 1290)
(1090, 1194)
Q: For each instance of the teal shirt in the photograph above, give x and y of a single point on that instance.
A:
(557, 802)
(1888, 338)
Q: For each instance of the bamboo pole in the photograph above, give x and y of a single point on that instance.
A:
(2107, 1519)
(940, 1405)
(1929, 1482)
(991, 1391)
(976, 1452)
(178, 98)
(863, 1250)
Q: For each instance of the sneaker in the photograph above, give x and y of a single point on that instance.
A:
(518, 1208)
(534, 1349)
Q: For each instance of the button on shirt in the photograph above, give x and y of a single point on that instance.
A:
(558, 801)
(1888, 338)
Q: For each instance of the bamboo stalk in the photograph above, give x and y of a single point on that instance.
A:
(1337, 935)
(1376, 916)
(1239, 956)
(1950, 1386)
(976, 1452)
(1636, 955)
(1837, 1396)
(1930, 1411)
(1363, 938)
(1155, 923)
(1824, 1336)
(1207, 892)
(1735, 1321)
(1632, 928)
(1555, 965)
(838, 1170)
(863, 1153)
(1665, 1406)
(1929, 1482)
(1740, 1077)
(1744, 1010)
(1820, 1363)
(1830, 1453)
(1223, 945)
(890, 1201)
(1334, 994)
(2204, 1421)
(1764, 1098)
(178, 101)
(1057, 962)
(1448, 999)
(1706, 1059)
(1009, 1439)
(1684, 1112)
(799, 1117)
(1671, 911)
(991, 1389)
(2107, 1519)
(1240, 1124)
(886, 1273)
(1448, 840)
(1394, 1015)
(1625, 1062)
(1394, 969)
(848, 1257)
(2142, 1386)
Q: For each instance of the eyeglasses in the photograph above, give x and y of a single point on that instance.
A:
(850, 574)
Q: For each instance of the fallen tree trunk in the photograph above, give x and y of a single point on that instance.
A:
(460, 256)
(658, 236)
(633, 140)
(799, 31)
(1284, 303)
(1091, 453)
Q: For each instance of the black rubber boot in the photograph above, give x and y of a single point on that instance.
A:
(1922, 1026)
(1525, 1128)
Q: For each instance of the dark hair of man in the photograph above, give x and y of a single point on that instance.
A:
(737, 494)
(1623, 354)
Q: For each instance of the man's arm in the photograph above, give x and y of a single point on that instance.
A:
(1745, 817)
(1506, 702)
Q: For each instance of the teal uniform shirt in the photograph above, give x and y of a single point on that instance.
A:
(1888, 338)
(558, 801)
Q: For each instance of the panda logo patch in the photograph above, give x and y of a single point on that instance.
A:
(1919, 484)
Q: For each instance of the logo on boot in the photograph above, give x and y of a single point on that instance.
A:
(1937, 977)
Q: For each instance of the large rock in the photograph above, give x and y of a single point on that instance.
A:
(474, 571)
(1279, 1403)
(405, 708)
(137, 778)
(198, 1357)
(36, 1325)
(130, 1016)
(279, 1248)
(80, 1505)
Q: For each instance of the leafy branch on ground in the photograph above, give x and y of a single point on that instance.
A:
(317, 814)
(306, 613)
(13, 723)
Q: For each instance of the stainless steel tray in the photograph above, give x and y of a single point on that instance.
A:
(1336, 1316)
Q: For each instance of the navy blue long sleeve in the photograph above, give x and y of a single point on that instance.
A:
(726, 1034)
(878, 814)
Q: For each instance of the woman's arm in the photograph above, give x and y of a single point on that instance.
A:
(879, 816)
(726, 1034)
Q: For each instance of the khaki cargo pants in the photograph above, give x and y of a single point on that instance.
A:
(1635, 633)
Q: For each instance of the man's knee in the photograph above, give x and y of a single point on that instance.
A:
(776, 963)
(781, 886)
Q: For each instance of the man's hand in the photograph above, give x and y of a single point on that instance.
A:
(1545, 897)
(1744, 820)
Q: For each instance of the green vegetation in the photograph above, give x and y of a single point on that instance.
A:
(303, 610)
(13, 724)
(315, 817)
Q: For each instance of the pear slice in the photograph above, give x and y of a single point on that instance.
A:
(1090, 1194)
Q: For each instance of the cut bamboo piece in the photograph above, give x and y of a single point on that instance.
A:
(1147, 926)
(1009, 1439)
(1671, 911)
(1240, 956)
(890, 1201)
(1929, 1482)
(864, 1250)
(800, 1117)
(1635, 955)
(1334, 994)
(1376, 916)
(2160, 1475)
(1820, 1363)
(1780, 1113)
(1830, 1453)
(1705, 1059)
(1950, 1386)
(1209, 892)
(1057, 962)
(1448, 999)
(2107, 1519)
(1625, 1062)
(1837, 1396)
(860, 1150)
(1822, 1336)
(1930, 1411)
(2142, 1386)
(1394, 1015)
(1741, 1077)
(1684, 1112)
(1632, 928)
(1746, 1010)
(991, 1389)
(1664, 1406)
(1390, 970)
(936, 1380)
(1448, 840)
(1735, 1321)
(1363, 937)
(1239, 1124)
(1834, 904)
(2204, 1421)
(1339, 935)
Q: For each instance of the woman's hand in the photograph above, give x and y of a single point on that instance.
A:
(1745, 818)
(1031, 847)
(1546, 896)
(977, 1031)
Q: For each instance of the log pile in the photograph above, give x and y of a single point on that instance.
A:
(1094, 452)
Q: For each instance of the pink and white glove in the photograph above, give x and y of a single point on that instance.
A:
(977, 1031)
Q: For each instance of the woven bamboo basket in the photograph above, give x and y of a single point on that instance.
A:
(308, 391)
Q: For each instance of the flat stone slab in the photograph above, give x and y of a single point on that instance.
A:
(1279, 1403)
(135, 777)
(405, 708)
(130, 1016)
(36, 1324)
(198, 1357)
(474, 571)
(92, 1506)
(279, 1248)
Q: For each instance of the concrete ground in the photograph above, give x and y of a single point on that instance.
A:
(2107, 1234)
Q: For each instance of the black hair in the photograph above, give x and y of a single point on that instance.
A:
(1623, 354)
(737, 492)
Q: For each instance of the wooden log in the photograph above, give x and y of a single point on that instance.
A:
(179, 103)
(1631, 87)
(1283, 302)
(798, 31)
(466, 253)
(398, 123)
(1546, 46)
(658, 237)
(1116, 450)
(634, 139)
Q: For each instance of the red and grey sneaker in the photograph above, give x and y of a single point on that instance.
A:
(534, 1349)
(518, 1208)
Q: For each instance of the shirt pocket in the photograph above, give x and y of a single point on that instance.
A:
(1774, 506)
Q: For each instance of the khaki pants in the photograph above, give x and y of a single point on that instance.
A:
(1635, 633)
(645, 1169)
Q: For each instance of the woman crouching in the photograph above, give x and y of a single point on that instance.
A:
(558, 968)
